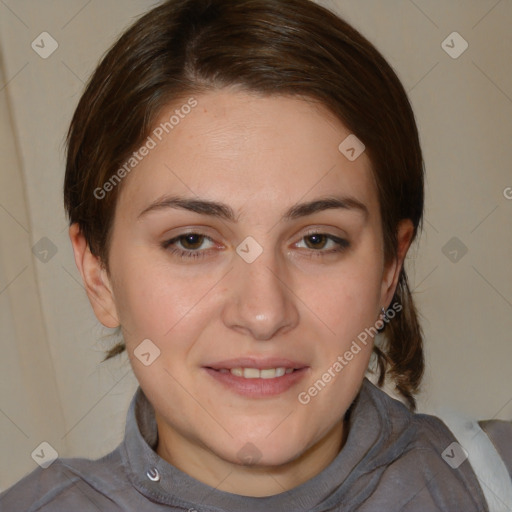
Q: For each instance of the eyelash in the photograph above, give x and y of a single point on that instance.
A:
(342, 245)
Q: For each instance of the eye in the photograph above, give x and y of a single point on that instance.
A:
(190, 243)
(323, 243)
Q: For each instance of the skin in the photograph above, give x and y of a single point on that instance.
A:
(260, 156)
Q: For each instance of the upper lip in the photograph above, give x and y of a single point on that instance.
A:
(260, 364)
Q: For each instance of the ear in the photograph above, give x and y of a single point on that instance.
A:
(392, 270)
(95, 278)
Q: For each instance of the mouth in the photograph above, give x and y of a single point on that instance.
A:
(257, 378)
(257, 368)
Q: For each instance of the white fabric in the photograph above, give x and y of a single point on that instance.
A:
(487, 463)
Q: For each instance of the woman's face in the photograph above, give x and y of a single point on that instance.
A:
(245, 241)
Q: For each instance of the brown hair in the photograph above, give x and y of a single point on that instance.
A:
(291, 47)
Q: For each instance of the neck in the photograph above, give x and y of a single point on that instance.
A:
(204, 465)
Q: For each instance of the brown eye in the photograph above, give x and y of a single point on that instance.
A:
(316, 241)
(323, 244)
(189, 246)
(191, 241)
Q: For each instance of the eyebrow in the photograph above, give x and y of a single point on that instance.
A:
(225, 212)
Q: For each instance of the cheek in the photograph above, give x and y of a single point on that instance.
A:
(347, 299)
(152, 298)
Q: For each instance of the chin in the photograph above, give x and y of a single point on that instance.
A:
(264, 453)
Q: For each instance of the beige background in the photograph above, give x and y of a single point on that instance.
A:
(53, 387)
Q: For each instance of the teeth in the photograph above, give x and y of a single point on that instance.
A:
(254, 373)
(251, 373)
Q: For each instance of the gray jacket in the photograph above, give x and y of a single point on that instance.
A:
(392, 461)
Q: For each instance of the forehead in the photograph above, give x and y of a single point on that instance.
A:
(247, 150)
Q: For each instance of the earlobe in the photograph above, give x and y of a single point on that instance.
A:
(405, 232)
(96, 281)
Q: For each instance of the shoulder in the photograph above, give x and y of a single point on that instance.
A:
(420, 465)
(69, 484)
(435, 469)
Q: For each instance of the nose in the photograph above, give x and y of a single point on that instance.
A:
(261, 303)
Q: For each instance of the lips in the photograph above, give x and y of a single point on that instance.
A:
(257, 378)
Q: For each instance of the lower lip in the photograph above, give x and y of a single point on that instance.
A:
(258, 388)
